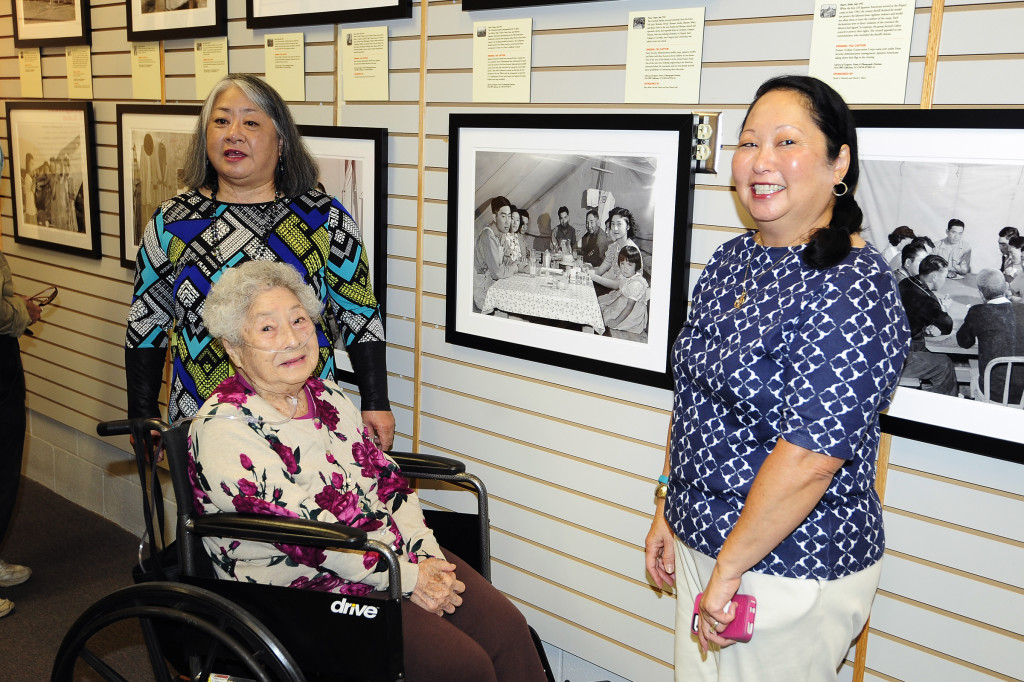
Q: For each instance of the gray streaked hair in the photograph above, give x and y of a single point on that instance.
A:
(991, 284)
(230, 298)
(300, 168)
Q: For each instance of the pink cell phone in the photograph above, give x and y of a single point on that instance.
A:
(741, 628)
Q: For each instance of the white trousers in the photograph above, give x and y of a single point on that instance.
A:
(802, 630)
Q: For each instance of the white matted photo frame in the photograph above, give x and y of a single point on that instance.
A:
(39, 23)
(281, 13)
(620, 174)
(170, 19)
(923, 169)
(353, 168)
(152, 141)
(53, 176)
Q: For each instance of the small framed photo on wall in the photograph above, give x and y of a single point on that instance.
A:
(169, 19)
(353, 168)
(280, 13)
(53, 176)
(152, 141)
(38, 23)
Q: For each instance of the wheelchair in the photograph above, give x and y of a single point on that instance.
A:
(196, 627)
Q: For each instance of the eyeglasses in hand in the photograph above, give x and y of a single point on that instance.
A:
(43, 298)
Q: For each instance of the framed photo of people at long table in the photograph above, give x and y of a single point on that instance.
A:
(568, 238)
(955, 180)
(353, 168)
(170, 19)
(40, 23)
(152, 143)
(280, 13)
(53, 176)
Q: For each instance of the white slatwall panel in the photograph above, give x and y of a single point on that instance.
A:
(568, 456)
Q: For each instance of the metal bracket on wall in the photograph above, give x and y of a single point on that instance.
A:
(706, 143)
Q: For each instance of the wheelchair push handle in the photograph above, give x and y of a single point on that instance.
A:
(126, 427)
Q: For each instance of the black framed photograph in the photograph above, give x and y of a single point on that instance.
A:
(281, 13)
(568, 238)
(170, 19)
(353, 168)
(955, 180)
(152, 141)
(471, 5)
(39, 23)
(53, 176)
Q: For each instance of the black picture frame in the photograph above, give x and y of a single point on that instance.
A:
(542, 162)
(39, 23)
(353, 165)
(917, 168)
(202, 22)
(147, 177)
(473, 5)
(63, 214)
(281, 13)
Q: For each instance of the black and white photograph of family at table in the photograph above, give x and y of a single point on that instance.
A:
(565, 240)
(952, 233)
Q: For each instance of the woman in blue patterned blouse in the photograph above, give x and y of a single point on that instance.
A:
(793, 344)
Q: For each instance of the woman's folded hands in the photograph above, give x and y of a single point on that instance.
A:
(437, 589)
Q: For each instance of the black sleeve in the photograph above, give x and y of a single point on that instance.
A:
(143, 369)
(370, 364)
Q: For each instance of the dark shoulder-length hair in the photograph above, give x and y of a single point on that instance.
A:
(626, 215)
(830, 244)
(297, 170)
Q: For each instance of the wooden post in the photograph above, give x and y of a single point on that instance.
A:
(860, 658)
(163, 74)
(421, 171)
(931, 55)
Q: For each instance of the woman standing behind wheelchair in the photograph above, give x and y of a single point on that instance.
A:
(251, 198)
(794, 342)
(275, 439)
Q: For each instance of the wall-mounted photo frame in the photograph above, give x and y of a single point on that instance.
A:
(170, 19)
(281, 13)
(472, 5)
(152, 141)
(53, 176)
(558, 314)
(921, 169)
(39, 23)
(353, 168)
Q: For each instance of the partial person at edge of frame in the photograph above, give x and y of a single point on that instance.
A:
(251, 198)
(793, 344)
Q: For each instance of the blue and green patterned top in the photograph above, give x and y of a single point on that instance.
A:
(192, 239)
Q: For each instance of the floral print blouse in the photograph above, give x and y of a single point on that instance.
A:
(321, 467)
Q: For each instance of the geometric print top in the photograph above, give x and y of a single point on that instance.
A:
(811, 357)
(191, 240)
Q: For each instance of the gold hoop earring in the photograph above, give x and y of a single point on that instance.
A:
(840, 194)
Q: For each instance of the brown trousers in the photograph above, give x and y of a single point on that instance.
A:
(485, 640)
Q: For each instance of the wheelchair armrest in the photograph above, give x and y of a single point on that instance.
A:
(288, 530)
(415, 464)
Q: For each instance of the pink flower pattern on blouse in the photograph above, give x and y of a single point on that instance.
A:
(355, 484)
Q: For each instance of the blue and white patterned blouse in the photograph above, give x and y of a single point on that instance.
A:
(811, 357)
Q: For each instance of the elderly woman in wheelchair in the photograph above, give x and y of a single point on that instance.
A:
(273, 439)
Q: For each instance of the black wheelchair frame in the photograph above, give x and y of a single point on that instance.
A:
(201, 625)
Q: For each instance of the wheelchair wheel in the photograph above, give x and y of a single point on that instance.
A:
(190, 633)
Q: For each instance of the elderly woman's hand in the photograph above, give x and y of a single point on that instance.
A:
(437, 589)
